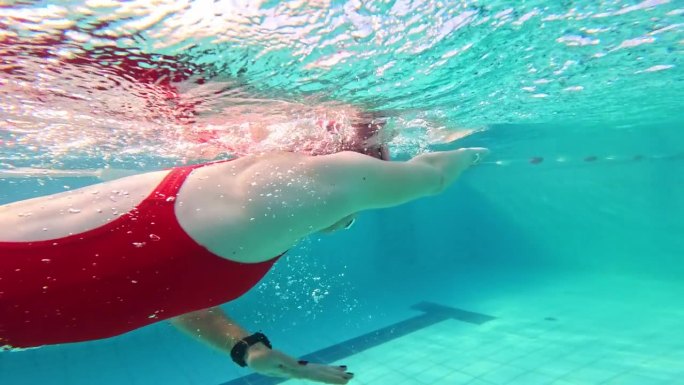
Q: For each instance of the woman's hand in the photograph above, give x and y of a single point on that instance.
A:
(275, 363)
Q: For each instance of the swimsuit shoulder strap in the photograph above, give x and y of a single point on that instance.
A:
(171, 184)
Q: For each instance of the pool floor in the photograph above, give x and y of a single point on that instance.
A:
(577, 332)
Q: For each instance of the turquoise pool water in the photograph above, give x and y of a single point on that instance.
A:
(557, 261)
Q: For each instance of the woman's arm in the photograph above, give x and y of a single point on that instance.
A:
(215, 328)
(362, 182)
(211, 326)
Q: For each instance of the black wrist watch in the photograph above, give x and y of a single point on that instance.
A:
(237, 353)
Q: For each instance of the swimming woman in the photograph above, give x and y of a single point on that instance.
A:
(109, 258)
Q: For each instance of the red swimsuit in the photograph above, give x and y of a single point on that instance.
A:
(133, 271)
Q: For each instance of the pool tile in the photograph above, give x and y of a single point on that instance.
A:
(430, 375)
(635, 379)
(456, 378)
(558, 368)
(590, 375)
(480, 368)
(532, 378)
(503, 375)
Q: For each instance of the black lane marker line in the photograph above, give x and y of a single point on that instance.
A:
(432, 314)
